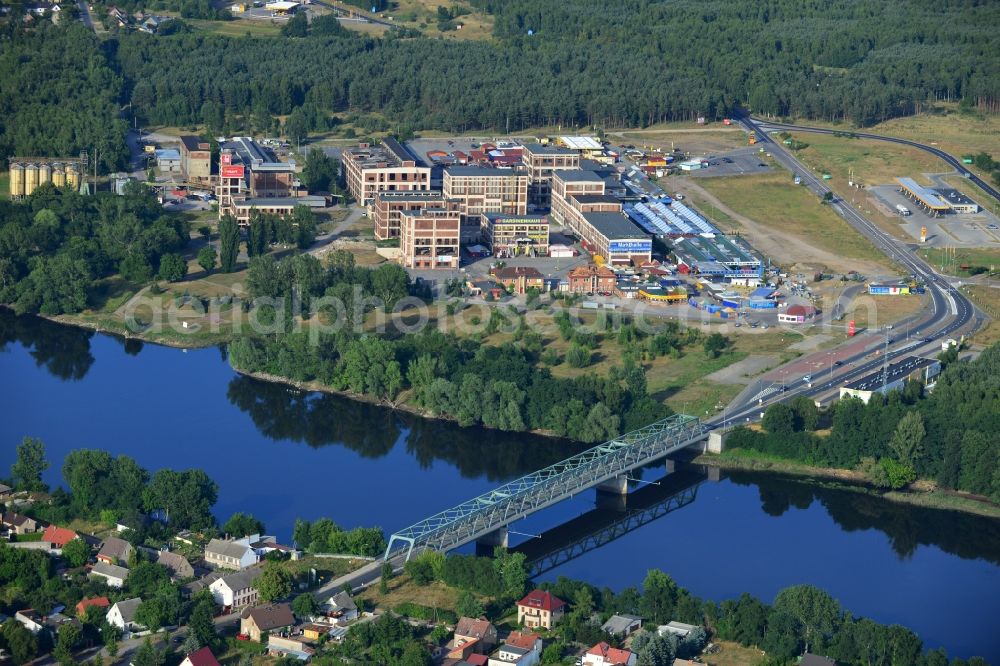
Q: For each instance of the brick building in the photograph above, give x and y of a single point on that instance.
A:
(429, 238)
(388, 167)
(512, 235)
(196, 159)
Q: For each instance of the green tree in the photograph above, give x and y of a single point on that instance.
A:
(305, 227)
(26, 472)
(173, 268)
(511, 571)
(297, 26)
(23, 646)
(190, 644)
(469, 605)
(304, 605)
(148, 655)
(242, 524)
(186, 496)
(229, 243)
(779, 419)
(320, 171)
(385, 576)
(76, 552)
(206, 258)
(815, 610)
(68, 640)
(653, 649)
(414, 654)
(659, 597)
(715, 344)
(273, 583)
(201, 623)
(578, 356)
(908, 439)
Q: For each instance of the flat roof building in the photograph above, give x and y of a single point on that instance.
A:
(430, 238)
(388, 167)
(515, 235)
(719, 256)
(481, 190)
(929, 200)
(388, 206)
(250, 176)
(542, 161)
(196, 159)
(612, 237)
(958, 201)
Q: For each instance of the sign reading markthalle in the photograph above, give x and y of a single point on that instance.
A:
(231, 171)
(637, 246)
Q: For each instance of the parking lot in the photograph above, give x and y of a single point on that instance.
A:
(949, 230)
(739, 162)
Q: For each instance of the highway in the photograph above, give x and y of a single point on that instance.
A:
(950, 310)
(950, 159)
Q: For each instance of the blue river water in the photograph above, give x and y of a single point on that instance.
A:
(281, 454)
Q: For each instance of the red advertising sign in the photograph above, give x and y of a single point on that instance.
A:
(850, 328)
(226, 158)
(232, 171)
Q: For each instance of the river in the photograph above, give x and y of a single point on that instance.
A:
(282, 454)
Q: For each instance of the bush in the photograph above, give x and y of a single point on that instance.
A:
(419, 612)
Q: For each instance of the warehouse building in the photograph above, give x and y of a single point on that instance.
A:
(196, 159)
(893, 377)
(481, 190)
(542, 161)
(388, 167)
(611, 238)
(430, 238)
(727, 257)
(515, 235)
(168, 160)
(389, 206)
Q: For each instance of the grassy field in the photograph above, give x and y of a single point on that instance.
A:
(779, 206)
(734, 654)
(873, 311)
(951, 262)
(239, 27)
(988, 299)
(402, 590)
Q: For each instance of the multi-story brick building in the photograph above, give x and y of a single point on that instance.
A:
(541, 162)
(591, 279)
(196, 159)
(389, 206)
(388, 167)
(569, 184)
(486, 190)
(430, 238)
(512, 235)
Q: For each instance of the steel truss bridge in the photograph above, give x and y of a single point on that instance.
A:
(580, 536)
(521, 497)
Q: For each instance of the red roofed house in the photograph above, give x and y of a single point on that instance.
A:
(603, 654)
(540, 609)
(797, 314)
(202, 657)
(57, 537)
(477, 660)
(99, 602)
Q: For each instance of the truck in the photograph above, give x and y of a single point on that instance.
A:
(902, 210)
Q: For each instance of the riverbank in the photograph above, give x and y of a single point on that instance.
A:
(922, 493)
(195, 339)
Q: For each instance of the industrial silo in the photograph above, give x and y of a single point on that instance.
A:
(72, 176)
(58, 175)
(16, 179)
(30, 178)
(44, 173)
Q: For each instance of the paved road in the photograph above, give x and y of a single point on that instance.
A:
(85, 15)
(950, 310)
(950, 159)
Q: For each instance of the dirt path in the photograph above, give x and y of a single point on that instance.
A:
(783, 247)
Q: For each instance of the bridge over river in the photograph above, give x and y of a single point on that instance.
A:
(605, 467)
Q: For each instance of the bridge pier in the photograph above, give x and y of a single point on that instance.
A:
(671, 465)
(617, 484)
(716, 441)
(713, 474)
(486, 543)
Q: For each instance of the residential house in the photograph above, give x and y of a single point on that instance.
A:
(341, 607)
(603, 654)
(96, 602)
(621, 626)
(5, 490)
(56, 620)
(31, 619)
(280, 646)
(315, 631)
(115, 551)
(57, 537)
(236, 590)
(18, 524)
(472, 636)
(202, 657)
(520, 279)
(113, 575)
(122, 615)
(231, 553)
(539, 609)
(176, 564)
(520, 648)
(254, 622)
(678, 629)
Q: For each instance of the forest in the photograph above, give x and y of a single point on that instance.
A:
(54, 249)
(949, 434)
(567, 62)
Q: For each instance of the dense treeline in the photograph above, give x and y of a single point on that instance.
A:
(951, 435)
(325, 536)
(643, 62)
(55, 247)
(59, 94)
